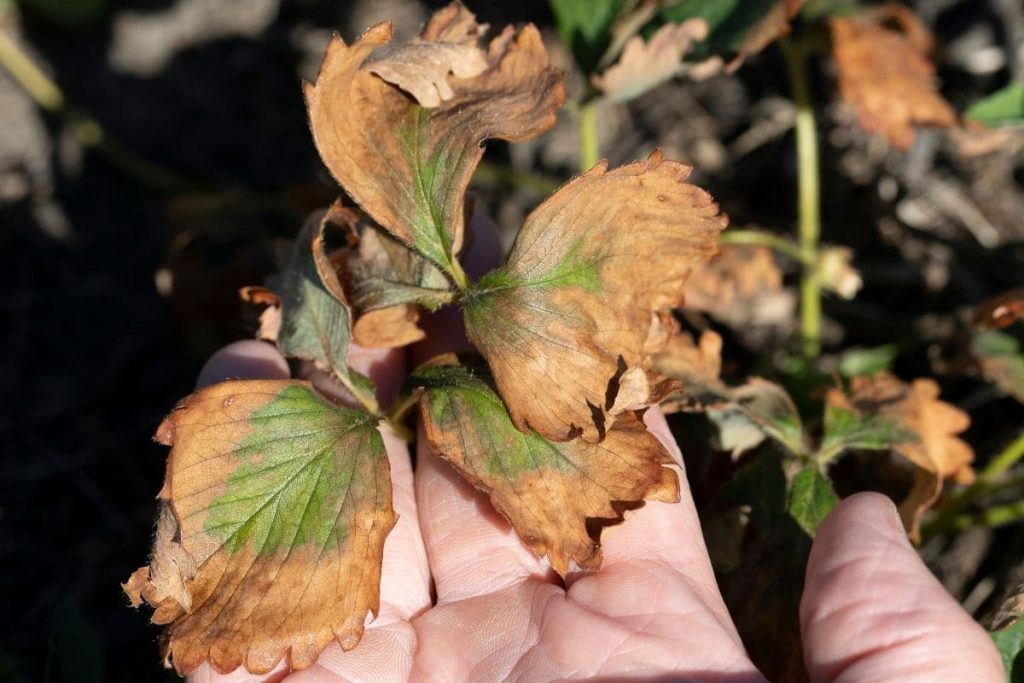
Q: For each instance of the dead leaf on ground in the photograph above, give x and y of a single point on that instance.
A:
(645, 65)
(885, 73)
(559, 497)
(936, 453)
(276, 507)
(741, 286)
(568, 321)
(360, 114)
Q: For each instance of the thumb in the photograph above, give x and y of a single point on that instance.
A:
(872, 611)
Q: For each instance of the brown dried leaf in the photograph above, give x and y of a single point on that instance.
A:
(568, 315)
(772, 26)
(886, 76)
(741, 286)
(936, 453)
(645, 65)
(386, 282)
(431, 148)
(276, 507)
(557, 496)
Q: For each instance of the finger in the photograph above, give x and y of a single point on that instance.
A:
(872, 611)
(405, 576)
(660, 547)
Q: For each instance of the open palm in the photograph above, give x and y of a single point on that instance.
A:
(871, 611)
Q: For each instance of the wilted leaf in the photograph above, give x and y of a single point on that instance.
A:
(1001, 359)
(557, 496)
(277, 504)
(308, 314)
(741, 286)
(645, 65)
(738, 28)
(387, 283)
(407, 162)
(1002, 108)
(811, 498)
(886, 76)
(568, 323)
(882, 412)
(743, 416)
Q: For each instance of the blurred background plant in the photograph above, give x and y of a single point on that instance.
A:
(154, 155)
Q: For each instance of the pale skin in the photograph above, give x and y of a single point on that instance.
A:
(871, 610)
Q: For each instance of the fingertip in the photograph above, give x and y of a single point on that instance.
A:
(872, 610)
(247, 359)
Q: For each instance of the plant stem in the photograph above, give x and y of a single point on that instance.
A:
(1000, 515)
(809, 197)
(403, 405)
(590, 151)
(986, 483)
(458, 274)
(48, 96)
(767, 239)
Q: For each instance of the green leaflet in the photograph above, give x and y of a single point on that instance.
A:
(1002, 108)
(316, 324)
(435, 188)
(455, 394)
(1010, 643)
(585, 27)
(811, 498)
(298, 476)
(845, 430)
(1001, 358)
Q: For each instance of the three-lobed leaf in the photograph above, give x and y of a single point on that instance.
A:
(557, 496)
(277, 506)
(408, 162)
(568, 324)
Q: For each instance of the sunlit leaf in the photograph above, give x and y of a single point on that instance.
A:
(568, 324)
(1002, 108)
(407, 162)
(882, 412)
(276, 504)
(885, 74)
(557, 496)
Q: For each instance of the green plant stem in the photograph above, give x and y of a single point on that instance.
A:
(985, 484)
(49, 97)
(759, 238)
(590, 151)
(999, 515)
(396, 416)
(457, 274)
(809, 197)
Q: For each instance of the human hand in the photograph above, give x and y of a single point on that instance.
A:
(871, 610)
